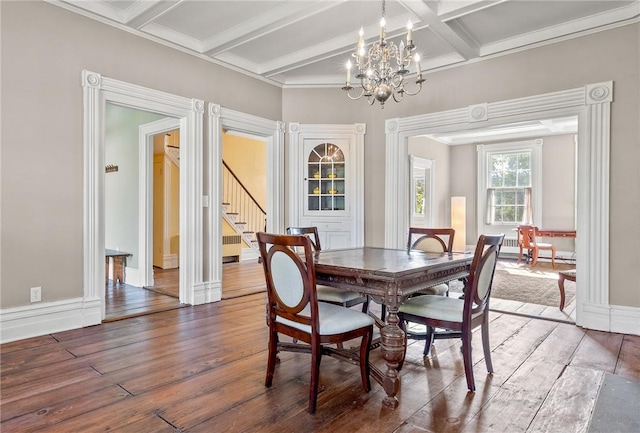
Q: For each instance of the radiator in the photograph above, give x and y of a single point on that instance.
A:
(510, 242)
(231, 246)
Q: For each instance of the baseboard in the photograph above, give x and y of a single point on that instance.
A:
(132, 277)
(249, 254)
(610, 318)
(210, 291)
(625, 320)
(170, 261)
(46, 318)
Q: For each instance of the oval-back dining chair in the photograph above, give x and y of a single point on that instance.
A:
(293, 309)
(461, 316)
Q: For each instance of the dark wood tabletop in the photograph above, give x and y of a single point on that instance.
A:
(383, 272)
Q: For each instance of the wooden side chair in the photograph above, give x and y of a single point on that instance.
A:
(528, 240)
(293, 309)
(461, 316)
(325, 293)
(432, 241)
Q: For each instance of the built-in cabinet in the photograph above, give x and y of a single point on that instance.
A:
(326, 182)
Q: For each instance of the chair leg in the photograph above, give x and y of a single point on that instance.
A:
(520, 255)
(485, 345)
(468, 362)
(365, 370)
(428, 340)
(271, 357)
(316, 354)
(553, 257)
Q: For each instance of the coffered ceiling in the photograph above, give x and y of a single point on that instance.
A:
(307, 42)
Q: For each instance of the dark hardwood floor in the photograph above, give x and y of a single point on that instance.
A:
(124, 301)
(202, 369)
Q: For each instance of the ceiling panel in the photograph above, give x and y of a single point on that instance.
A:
(307, 42)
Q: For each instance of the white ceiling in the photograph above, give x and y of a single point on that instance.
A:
(307, 42)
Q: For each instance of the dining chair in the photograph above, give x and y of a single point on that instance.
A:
(325, 293)
(432, 240)
(528, 240)
(461, 316)
(293, 310)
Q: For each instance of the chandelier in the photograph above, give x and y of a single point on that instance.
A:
(379, 79)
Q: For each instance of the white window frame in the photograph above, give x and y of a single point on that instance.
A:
(428, 165)
(484, 153)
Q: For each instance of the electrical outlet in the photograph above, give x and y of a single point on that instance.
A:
(36, 294)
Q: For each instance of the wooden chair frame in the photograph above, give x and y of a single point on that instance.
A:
(475, 311)
(271, 245)
(312, 234)
(528, 240)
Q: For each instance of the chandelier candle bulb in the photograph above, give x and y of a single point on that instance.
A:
(418, 71)
(348, 72)
(382, 24)
(409, 32)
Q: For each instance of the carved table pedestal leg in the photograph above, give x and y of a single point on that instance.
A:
(392, 341)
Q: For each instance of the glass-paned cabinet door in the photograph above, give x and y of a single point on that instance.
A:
(326, 178)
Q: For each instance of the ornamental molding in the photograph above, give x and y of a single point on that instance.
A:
(478, 113)
(598, 93)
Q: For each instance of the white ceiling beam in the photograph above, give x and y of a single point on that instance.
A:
(448, 9)
(274, 19)
(344, 43)
(142, 12)
(459, 41)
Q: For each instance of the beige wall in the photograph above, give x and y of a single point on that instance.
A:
(438, 152)
(44, 49)
(247, 158)
(609, 55)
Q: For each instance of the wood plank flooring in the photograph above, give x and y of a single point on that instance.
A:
(201, 369)
(124, 301)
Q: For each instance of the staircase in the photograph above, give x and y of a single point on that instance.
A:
(241, 210)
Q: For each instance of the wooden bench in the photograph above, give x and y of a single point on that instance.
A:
(119, 265)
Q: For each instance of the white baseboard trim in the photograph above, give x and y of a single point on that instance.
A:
(249, 254)
(625, 320)
(611, 318)
(39, 319)
(207, 292)
(132, 277)
(170, 261)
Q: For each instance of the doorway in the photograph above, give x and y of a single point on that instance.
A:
(98, 92)
(591, 104)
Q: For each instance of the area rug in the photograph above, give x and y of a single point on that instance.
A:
(533, 285)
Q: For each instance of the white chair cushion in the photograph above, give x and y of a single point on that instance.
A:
(333, 319)
(439, 289)
(332, 294)
(435, 307)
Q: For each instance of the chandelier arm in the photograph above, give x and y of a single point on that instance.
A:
(419, 82)
(348, 89)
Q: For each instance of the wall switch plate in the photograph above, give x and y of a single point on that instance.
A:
(36, 294)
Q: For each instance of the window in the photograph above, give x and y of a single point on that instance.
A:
(509, 192)
(419, 196)
(509, 185)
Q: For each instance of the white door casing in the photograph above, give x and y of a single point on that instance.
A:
(145, 206)
(98, 91)
(337, 229)
(272, 132)
(592, 105)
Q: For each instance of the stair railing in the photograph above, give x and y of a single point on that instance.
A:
(241, 202)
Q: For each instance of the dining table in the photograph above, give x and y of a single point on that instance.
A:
(389, 277)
